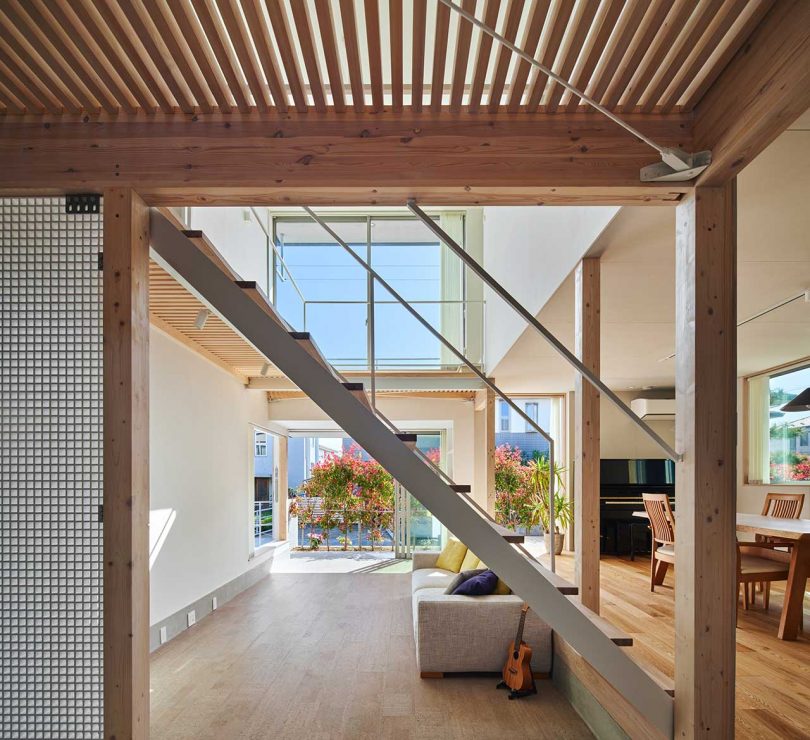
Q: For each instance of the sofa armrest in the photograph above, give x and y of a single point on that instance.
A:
(472, 633)
(424, 559)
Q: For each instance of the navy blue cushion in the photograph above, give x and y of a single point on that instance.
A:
(482, 584)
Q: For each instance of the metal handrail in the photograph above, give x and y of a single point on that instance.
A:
(275, 249)
(572, 359)
(452, 348)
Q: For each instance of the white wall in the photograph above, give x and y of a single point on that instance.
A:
(200, 475)
(456, 415)
(621, 438)
(530, 251)
(242, 242)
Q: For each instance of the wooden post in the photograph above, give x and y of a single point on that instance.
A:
(282, 485)
(490, 461)
(126, 465)
(705, 493)
(586, 434)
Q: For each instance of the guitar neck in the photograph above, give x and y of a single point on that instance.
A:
(521, 624)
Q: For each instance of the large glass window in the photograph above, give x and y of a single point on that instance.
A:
(322, 289)
(778, 432)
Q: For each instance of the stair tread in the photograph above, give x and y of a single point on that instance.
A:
(562, 585)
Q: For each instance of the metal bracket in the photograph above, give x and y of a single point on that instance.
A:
(83, 203)
(676, 165)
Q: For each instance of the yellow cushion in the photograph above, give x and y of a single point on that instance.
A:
(501, 589)
(470, 561)
(452, 556)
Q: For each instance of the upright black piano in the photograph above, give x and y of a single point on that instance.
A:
(622, 483)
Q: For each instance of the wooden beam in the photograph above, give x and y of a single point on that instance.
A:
(586, 433)
(705, 480)
(395, 41)
(126, 465)
(234, 151)
(760, 93)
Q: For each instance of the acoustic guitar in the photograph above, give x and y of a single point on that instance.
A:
(517, 673)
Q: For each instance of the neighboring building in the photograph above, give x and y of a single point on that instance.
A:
(514, 430)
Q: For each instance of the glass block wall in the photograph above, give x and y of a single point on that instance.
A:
(51, 682)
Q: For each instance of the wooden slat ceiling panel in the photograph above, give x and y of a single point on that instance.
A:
(200, 56)
(175, 310)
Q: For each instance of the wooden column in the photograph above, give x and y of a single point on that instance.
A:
(705, 493)
(586, 434)
(282, 485)
(126, 465)
(490, 462)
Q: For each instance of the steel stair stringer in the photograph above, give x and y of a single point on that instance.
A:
(524, 576)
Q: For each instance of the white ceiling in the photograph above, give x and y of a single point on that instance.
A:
(638, 278)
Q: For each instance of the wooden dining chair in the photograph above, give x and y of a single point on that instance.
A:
(760, 562)
(783, 506)
(662, 524)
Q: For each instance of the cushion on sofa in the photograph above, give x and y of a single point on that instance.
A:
(431, 578)
(481, 584)
(470, 561)
(452, 556)
(501, 589)
(460, 578)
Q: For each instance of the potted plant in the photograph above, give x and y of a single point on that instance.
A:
(540, 480)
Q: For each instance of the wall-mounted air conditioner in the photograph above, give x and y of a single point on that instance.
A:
(654, 409)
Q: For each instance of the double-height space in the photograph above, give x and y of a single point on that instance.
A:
(361, 358)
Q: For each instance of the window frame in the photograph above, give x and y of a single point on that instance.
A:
(257, 444)
(775, 371)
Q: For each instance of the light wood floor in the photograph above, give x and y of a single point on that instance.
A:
(773, 676)
(316, 656)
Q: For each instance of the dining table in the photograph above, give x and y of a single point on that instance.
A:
(797, 531)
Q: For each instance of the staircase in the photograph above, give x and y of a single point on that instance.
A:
(196, 262)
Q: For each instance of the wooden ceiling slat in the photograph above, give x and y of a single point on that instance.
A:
(25, 57)
(10, 13)
(654, 18)
(439, 56)
(95, 76)
(20, 91)
(372, 11)
(513, 13)
(306, 38)
(620, 48)
(661, 44)
(216, 34)
(86, 23)
(462, 57)
(115, 27)
(560, 24)
(717, 30)
(482, 56)
(607, 24)
(11, 103)
(147, 34)
(693, 37)
(531, 38)
(194, 38)
(162, 20)
(582, 25)
(326, 24)
(396, 44)
(114, 76)
(281, 28)
(239, 35)
(20, 77)
(349, 23)
(418, 53)
(754, 13)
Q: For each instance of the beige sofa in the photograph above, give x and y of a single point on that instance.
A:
(468, 633)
